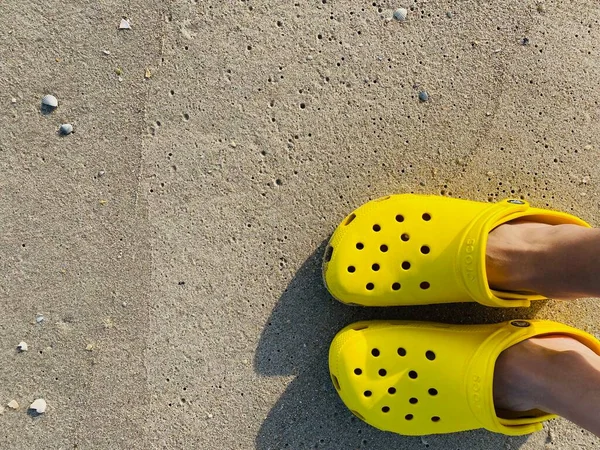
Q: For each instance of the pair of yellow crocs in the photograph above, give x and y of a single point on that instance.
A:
(419, 378)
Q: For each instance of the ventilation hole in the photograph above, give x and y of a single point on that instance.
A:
(433, 391)
(349, 220)
(357, 415)
(328, 253)
(383, 248)
(376, 228)
(401, 352)
(399, 218)
(360, 245)
(412, 374)
(392, 390)
(351, 269)
(435, 419)
(336, 383)
(424, 285)
(426, 217)
(367, 393)
(382, 372)
(375, 352)
(408, 417)
(425, 250)
(406, 265)
(430, 355)
(396, 286)
(360, 327)
(357, 371)
(405, 237)
(387, 409)
(375, 267)
(370, 286)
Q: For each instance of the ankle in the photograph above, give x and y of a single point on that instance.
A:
(543, 373)
(520, 377)
(516, 256)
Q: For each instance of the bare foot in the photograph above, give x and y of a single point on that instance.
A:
(557, 261)
(526, 372)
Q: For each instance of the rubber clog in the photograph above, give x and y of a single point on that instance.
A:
(420, 378)
(422, 249)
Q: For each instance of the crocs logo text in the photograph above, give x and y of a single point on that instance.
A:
(476, 392)
(469, 269)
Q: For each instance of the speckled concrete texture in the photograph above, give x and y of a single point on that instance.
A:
(173, 242)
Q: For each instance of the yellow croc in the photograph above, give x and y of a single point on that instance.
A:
(422, 249)
(419, 378)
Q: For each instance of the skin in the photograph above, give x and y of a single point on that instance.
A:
(556, 374)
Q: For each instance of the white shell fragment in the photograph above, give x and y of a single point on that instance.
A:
(65, 129)
(400, 14)
(124, 25)
(22, 347)
(50, 101)
(39, 318)
(38, 406)
(13, 404)
(106, 52)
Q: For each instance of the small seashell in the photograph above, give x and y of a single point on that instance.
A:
(13, 404)
(49, 104)
(22, 347)
(124, 25)
(39, 318)
(106, 52)
(38, 406)
(423, 96)
(65, 129)
(50, 100)
(400, 14)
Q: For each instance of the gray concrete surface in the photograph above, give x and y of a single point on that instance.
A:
(181, 290)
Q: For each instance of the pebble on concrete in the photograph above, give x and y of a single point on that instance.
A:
(65, 129)
(400, 14)
(22, 347)
(423, 96)
(49, 104)
(13, 404)
(38, 406)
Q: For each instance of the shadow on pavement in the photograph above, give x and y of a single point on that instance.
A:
(296, 342)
